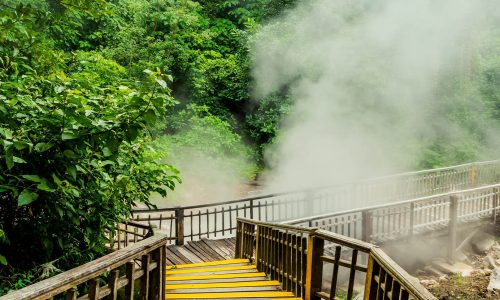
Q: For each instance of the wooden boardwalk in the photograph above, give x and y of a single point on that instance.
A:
(223, 279)
(201, 251)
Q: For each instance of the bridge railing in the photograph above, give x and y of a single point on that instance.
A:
(317, 264)
(410, 217)
(219, 219)
(143, 261)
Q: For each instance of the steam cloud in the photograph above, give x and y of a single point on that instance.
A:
(373, 82)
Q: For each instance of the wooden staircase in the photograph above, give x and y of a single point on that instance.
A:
(223, 279)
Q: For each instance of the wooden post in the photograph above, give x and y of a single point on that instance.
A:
(93, 289)
(113, 284)
(71, 294)
(155, 279)
(237, 247)
(412, 218)
(179, 226)
(367, 226)
(145, 277)
(452, 227)
(129, 273)
(314, 274)
(370, 283)
(251, 209)
(163, 273)
(496, 197)
(257, 238)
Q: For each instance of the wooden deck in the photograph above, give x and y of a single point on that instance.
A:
(223, 279)
(201, 251)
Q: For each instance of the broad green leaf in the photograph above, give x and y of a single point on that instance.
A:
(9, 154)
(42, 147)
(7, 133)
(162, 83)
(72, 172)
(19, 160)
(107, 162)
(56, 180)
(107, 152)
(26, 197)
(3, 260)
(34, 178)
(20, 145)
(68, 135)
(73, 192)
(44, 187)
(70, 154)
(122, 180)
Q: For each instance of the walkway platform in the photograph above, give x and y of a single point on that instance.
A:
(201, 251)
(223, 279)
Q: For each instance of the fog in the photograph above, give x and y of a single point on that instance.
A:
(374, 82)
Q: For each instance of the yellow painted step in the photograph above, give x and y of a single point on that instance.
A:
(211, 263)
(217, 276)
(231, 295)
(222, 285)
(216, 269)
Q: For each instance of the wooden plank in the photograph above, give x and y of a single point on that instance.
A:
(228, 290)
(211, 263)
(223, 284)
(196, 252)
(241, 295)
(260, 278)
(186, 254)
(214, 269)
(216, 276)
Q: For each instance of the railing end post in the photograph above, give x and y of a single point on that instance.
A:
(179, 226)
(367, 225)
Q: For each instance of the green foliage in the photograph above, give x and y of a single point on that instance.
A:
(198, 134)
(74, 154)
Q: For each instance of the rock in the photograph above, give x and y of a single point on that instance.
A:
(494, 280)
(496, 247)
(483, 242)
(428, 282)
(433, 271)
(460, 256)
(456, 268)
(489, 262)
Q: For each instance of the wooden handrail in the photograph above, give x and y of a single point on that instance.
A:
(195, 221)
(409, 283)
(65, 281)
(275, 248)
(389, 205)
(276, 194)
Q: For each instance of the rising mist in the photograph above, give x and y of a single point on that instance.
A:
(375, 83)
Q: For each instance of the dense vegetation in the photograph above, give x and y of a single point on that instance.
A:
(93, 92)
(85, 88)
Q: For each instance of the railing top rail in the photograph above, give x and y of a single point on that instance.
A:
(299, 229)
(277, 194)
(344, 240)
(59, 283)
(405, 279)
(394, 204)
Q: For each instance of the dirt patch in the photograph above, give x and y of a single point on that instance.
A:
(458, 287)
(468, 285)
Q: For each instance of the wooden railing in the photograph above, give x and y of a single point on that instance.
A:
(317, 264)
(219, 219)
(128, 233)
(142, 262)
(403, 219)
